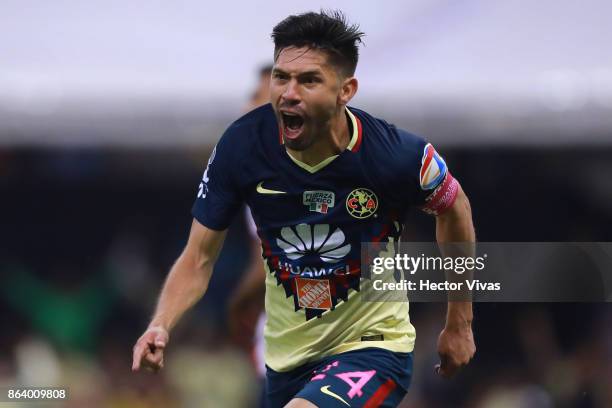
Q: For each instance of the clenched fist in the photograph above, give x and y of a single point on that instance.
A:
(456, 348)
(149, 349)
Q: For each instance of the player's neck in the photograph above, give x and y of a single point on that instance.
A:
(336, 140)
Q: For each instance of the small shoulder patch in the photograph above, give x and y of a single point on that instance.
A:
(433, 168)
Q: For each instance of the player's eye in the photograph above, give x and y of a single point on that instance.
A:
(280, 76)
(310, 80)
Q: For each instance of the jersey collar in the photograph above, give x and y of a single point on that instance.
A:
(355, 142)
(353, 145)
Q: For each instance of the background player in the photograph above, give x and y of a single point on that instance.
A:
(245, 308)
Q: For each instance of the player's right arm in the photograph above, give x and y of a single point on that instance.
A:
(185, 285)
(218, 199)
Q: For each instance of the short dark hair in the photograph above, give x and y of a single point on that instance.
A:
(326, 30)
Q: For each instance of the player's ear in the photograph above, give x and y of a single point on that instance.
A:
(348, 90)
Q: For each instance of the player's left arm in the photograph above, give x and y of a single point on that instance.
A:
(456, 341)
(438, 193)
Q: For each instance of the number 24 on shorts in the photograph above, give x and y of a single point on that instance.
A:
(361, 377)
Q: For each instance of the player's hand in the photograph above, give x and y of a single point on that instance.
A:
(456, 348)
(149, 349)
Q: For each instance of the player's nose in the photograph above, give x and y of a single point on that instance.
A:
(291, 93)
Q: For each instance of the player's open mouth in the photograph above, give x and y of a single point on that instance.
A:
(293, 124)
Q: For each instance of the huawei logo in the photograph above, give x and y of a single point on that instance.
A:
(304, 239)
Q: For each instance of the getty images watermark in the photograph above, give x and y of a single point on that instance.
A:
(487, 272)
(412, 264)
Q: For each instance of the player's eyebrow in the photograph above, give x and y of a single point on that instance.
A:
(313, 72)
(278, 71)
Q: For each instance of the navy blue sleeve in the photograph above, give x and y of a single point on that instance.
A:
(218, 198)
(407, 153)
(423, 168)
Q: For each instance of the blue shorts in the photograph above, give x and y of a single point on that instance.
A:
(371, 377)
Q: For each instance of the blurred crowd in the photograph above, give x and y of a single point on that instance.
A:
(88, 236)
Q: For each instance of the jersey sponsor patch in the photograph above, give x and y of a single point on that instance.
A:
(313, 293)
(319, 201)
(310, 254)
(314, 240)
(433, 168)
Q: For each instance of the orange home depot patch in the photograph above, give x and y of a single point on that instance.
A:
(313, 293)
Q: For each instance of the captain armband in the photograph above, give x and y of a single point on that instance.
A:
(443, 197)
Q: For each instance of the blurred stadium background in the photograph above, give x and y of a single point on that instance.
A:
(108, 111)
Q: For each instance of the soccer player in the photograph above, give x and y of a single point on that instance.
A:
(320, 178)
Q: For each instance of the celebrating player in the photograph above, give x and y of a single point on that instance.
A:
(320, 178)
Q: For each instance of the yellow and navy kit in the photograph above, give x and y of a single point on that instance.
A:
(312, 220)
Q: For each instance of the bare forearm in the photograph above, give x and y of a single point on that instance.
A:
(459, 315)
(456, 227)
(185, 285)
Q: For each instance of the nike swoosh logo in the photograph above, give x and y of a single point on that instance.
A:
(262, 190)
(325, 390)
